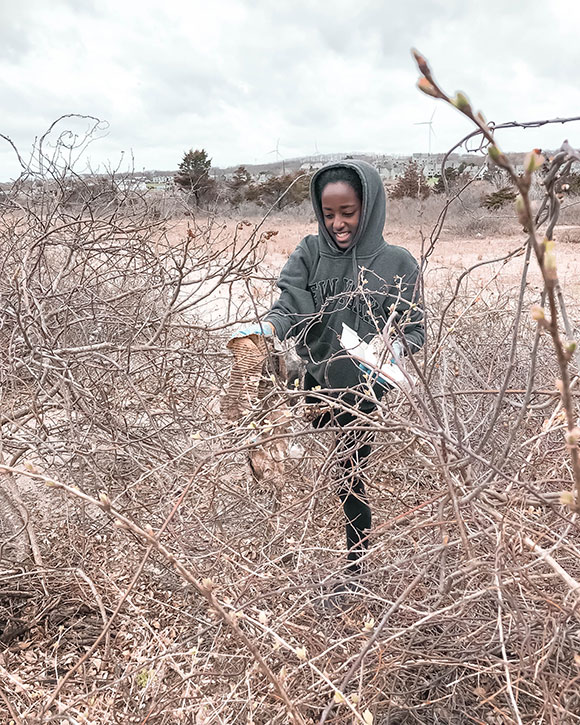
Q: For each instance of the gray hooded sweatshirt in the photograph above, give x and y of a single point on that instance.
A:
(322, 286)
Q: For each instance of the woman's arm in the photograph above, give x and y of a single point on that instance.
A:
(295, 306)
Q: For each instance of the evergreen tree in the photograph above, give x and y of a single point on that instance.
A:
(193, 174)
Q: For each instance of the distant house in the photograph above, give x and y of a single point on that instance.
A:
(132, 183)
(387, 174)
(310, 166)
(430, 164)
(262, 176)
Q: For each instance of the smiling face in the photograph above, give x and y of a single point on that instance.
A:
(341, 209)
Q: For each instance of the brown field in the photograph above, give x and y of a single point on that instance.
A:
(453, 252)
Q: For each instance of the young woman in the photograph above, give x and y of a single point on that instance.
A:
(346, 273)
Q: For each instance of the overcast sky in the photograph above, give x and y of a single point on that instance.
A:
(234, 76)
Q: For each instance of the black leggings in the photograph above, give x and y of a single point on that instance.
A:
(351, 451)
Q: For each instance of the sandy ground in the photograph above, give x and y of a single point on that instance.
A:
(451, 255)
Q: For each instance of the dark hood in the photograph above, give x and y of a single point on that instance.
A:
(369, 234)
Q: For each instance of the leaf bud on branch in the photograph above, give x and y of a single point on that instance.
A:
(572, 437)
(497, 156)
(567, 498)
(522, 211)
(421, 62)
(537, 313)
(533, 161)
(105, 501)
(427, 87)
(539, 316)
(480, 118)
(549, 259)
(570, 349)
(461, 102)
(427, 83)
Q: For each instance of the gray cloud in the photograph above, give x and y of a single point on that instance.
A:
(235, 76)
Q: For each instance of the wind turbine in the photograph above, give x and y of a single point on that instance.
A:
(431, 131)
(278, 156)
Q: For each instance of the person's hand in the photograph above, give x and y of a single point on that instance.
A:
(398, 351)
(259, 328)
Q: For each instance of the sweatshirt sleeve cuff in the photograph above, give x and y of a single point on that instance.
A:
(281, 325)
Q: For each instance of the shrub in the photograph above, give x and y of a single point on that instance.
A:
(498, 199)
(274, 190)
(412, 184)
(455, 178)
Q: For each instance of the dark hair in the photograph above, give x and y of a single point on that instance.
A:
(338, 173)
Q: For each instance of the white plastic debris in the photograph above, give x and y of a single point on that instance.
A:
(370, 355)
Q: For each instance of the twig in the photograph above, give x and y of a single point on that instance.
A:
(372, 639)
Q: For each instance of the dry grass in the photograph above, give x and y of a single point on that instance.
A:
(466, 217)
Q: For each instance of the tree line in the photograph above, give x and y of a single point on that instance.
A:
(193, 176)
